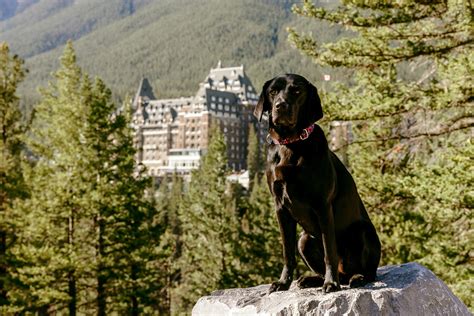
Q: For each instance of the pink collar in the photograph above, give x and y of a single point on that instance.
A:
(304, 135)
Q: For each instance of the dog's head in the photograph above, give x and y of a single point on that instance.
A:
(291, 101)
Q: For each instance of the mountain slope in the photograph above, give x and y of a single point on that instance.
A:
(172, 42)
(47, 23)
(9, 8)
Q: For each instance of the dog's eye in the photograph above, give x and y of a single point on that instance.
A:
(295, 90)
(273, 92)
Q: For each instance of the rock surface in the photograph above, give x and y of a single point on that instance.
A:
(407, 289)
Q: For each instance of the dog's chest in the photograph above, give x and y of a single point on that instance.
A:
(285, 164)
(289, 179)
(285, 172)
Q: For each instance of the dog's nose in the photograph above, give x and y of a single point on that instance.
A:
(280, 104)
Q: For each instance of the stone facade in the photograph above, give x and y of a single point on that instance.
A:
(172, 134)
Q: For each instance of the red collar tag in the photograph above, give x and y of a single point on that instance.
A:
(304, 135)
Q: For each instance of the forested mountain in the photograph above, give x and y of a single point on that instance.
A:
(9, 8)
(172, 42)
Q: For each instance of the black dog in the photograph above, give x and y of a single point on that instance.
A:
(312, 187)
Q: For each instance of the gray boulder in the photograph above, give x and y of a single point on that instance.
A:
(406, 289)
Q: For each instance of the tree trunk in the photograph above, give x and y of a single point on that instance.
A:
(3, 267)
(3, 247)
(72, 290)
(341, 137)
(134, 299)
(101, 279)
(72, 293)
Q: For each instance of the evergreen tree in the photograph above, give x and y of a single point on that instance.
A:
(53, 245)
(128, 230)
(170, 197)
(411, 108)
(89, 238)
(173, 225)
(209, 225)
(255, 163)
(260, 243)
(12, 186)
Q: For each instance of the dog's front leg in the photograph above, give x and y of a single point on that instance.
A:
(288, 234)
(326, 222)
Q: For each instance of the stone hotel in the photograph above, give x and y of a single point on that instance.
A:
(173, 134)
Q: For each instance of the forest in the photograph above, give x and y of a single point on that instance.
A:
(84, 230)
(173, 43)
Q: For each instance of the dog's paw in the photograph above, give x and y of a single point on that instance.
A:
(310, 281)
(279, 286)
(329, 287)
(357, 280)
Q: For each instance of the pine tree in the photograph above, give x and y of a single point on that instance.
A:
(411, 110)
(209, 224)
(173, 224)
(89, 237)
(170, 197)
(255, 163)
(50, 252)
(125, 219)
(260, 253)
(12, 186)
(130, 275)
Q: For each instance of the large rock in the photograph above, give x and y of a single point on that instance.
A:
(407, 289)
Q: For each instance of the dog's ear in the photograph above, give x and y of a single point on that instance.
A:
(313, 104)
(263, 105)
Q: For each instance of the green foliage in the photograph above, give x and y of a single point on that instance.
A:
(260, 243)
(226, 236)
(87, 239)
(89, 234)
(128, 227)
(57, 240)
(54, 22)
(410, 104)
(12, 125)
(169, 199)
(210, 226)
(12, 186)
(255, 155)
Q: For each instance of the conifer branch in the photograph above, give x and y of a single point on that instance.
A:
(445, 131)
